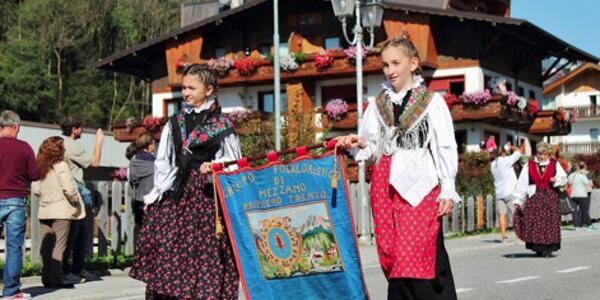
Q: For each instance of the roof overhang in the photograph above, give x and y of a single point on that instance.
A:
(138, 60)
(570, 76)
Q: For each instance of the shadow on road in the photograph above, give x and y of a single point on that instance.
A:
(39, 290)
(520, 255)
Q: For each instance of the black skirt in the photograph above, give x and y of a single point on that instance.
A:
(440, 288)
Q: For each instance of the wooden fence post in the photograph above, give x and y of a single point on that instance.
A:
(115, 220)
(489, 212)
(455, 211)
(479, 207)
(103, 219)
(129, 222)
(470, 214)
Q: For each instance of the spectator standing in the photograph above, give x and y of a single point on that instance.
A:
(59, 204)
(580, 184)
(78, 159)
(505, 182)
(141, 174)
(19, 169)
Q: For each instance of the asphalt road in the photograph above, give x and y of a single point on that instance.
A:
(483, 269)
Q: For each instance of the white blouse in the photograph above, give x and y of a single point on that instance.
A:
(416, 171)
(524, 189)
(165, 169)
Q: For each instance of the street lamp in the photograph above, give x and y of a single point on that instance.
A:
(371, 19)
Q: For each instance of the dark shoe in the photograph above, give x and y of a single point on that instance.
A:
(88, 276)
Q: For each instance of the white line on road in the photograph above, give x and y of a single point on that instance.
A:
(460, 290)
(574, 269)
(518, 279)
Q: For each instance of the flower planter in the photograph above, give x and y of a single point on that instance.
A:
(124, 132)
(346, 122)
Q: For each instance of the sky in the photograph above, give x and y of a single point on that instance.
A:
(576, 22)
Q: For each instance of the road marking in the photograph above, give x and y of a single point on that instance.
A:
(574, 269)
(460, 290)
(518, 279)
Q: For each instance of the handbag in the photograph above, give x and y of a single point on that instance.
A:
(564, 203)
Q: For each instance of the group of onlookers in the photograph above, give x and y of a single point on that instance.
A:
(64, 202)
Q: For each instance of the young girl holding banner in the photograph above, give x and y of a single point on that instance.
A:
(183, 249)
(408, 134)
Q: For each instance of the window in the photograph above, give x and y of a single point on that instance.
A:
(283, 48)
(266, 102)
(531, 94)
(509, 86)
(594, 134)
(171, 106)
(593, 100)
(346, 92)
(520, 91)
(332, 43)
(443, 85)
(548, 104)
(219, 52)
(265, 50)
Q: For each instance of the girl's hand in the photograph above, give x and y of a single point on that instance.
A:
(206, 168)
(146, 205)
(351, 141)
(445, 207)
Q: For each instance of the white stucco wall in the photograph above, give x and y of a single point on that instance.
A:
(476, 132)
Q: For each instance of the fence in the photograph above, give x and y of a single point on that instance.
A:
(111, 219)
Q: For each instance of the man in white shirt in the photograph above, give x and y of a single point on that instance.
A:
(580, 184)
(505, 181)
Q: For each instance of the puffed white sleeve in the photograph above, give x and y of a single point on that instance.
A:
(560, 176)
(230, 150)
(371, 132)
(165, 170)
(521, 190)
(443, 148)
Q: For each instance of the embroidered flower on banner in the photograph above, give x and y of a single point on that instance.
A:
(323, 60)
(336, 108)
(476, 98)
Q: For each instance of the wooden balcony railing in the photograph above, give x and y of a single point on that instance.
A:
(588, 111)
(590, 147)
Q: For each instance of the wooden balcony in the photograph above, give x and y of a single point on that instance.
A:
(585, 112)
(589, 147)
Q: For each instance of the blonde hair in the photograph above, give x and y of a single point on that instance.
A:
(543, 147)
(406, 46)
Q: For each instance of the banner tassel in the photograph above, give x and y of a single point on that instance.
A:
(218, 225)
(334, 176)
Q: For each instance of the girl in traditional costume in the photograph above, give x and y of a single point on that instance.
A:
(183, 249)
(409, 135)
(537, 222)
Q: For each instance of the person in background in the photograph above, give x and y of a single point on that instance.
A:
(78, 159)
(490, 144)
(505, 181)
(537, 220)
(59, 203)
(18, 169)
(141, 174)
(580, 184)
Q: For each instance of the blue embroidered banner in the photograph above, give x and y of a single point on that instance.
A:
(292, 233)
